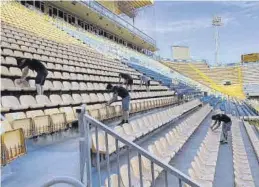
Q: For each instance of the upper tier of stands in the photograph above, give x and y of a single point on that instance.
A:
(215, 77)
(251, 82)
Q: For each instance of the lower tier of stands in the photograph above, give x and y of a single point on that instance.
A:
(40, 122)
(170, 143)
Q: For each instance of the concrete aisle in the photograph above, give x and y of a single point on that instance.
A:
(182, 160)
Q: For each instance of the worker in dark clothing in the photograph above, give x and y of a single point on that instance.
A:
(124, 94)
(226, 126)
(128, 80)
(146, 80)
(35, 65)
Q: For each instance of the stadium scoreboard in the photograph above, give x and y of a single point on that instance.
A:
(253, 57)
(181, 52)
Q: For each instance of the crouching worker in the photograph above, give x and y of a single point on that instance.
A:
(124, 94)
(226, 126)
(146, 80)
(35, 65)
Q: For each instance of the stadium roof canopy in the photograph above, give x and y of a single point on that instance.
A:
(101, 16)
(119, 7)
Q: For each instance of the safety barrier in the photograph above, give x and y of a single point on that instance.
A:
(125, 174)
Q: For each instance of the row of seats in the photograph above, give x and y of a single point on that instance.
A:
(39, 101)
(15, 41)
(12, 145)
(14, 31)
(142, 126)
(164, 148)
(93, 64)
(28, 36)
(21, 46)
(43, 121)
(242, 171)
(104, 113)
(9, 85)
(15, 71)
(72, 68)
(253, 138)
(203, 167)
(18, 126)
(79, 73)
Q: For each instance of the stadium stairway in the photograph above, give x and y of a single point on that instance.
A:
(182, 88)
(184, 157)
(156, 76)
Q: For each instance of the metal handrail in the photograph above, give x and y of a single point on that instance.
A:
(104, 11)
(255, 118)
(64, 180)
(85, 151)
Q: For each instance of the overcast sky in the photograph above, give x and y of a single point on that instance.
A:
(189, 24)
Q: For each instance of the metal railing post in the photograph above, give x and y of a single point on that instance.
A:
(97, 155)
(118, 162)
(140, 170)
(129, 166)
(166, 179)
(180, 183)
(152, 174)
(88, 151)
(82, 143)
(107, 158)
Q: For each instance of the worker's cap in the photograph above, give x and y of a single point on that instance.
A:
(214, 117)
(20, 61)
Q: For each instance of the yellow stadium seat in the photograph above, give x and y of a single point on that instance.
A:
(13, 145)
(19, 120)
